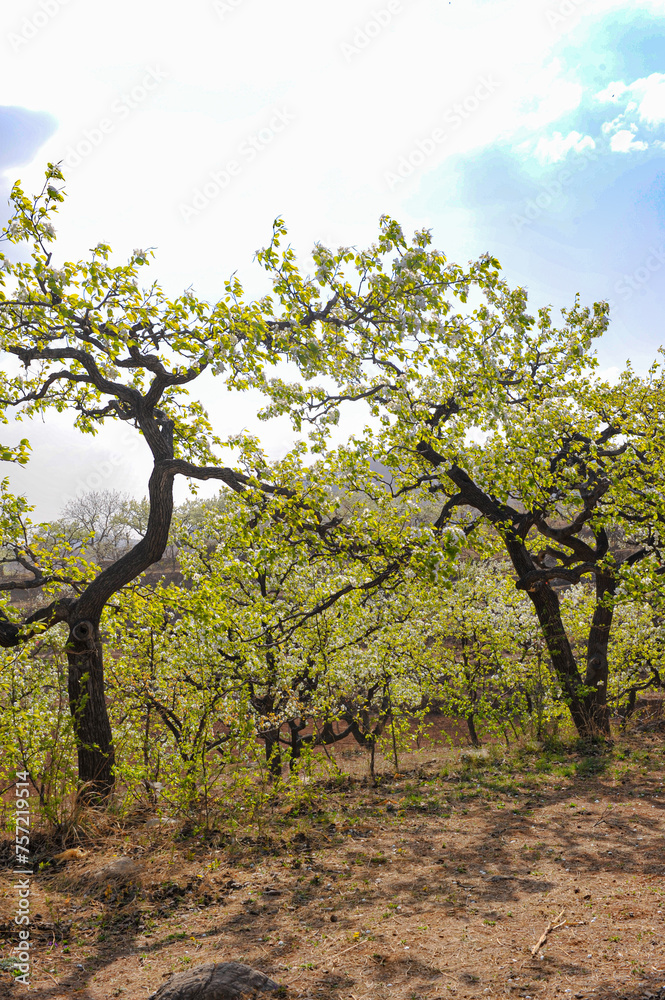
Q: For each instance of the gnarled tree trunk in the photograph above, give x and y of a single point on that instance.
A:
(92, 728)
(87, 701)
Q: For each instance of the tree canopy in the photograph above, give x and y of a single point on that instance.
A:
(469, 402)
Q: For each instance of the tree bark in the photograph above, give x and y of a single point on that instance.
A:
(472, 730)
(92, 728)
(83, 615)
(597, 671)
(297, 741)
(273, 751)
(512, 528)
(548, 610)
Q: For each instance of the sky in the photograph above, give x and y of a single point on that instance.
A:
(532, 129)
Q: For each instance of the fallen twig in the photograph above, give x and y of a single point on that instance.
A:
(552, 926)
(602, 818)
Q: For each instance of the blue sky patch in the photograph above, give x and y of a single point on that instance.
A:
(22, 132)
(580, 198)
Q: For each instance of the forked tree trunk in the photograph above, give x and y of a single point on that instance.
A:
(92, 728)
(548, 611)
(589, 712)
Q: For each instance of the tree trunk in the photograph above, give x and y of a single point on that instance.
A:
(92, 728)
(548, 610)
(472, 730)
(589, 712)
(297, 742)
(597, 671)
(273, 752)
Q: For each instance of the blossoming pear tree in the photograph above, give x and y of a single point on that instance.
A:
(502, 415)
(88, 338)
(571, 484)
(282, 621)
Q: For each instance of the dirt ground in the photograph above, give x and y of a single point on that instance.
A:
(437, 883)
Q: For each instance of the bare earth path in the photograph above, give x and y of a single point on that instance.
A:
(438, 883)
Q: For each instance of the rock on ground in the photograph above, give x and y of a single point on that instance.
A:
(220, 981)
(122, 868)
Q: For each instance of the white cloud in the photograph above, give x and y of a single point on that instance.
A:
(644, 105)
(646, 95)
(652, 105)
(624, 141)
(612, 93)
(608, 128)
(551, 96)
(554, 148)
(223, 78)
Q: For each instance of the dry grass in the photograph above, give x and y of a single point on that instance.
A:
(438, 883)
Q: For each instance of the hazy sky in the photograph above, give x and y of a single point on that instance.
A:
(534, 130)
